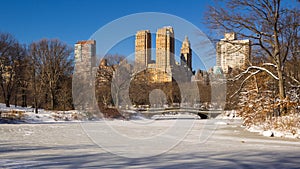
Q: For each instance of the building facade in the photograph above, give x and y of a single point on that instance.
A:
(164, 68)
(83, 79)
(142, 49)
(85, 55)
(232, 53)
(165, 48)
(186, 54)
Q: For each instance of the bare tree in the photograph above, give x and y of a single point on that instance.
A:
(64, 96)
(102, 81)
(140, 87)
(267, 24)
(51, 61)
(293, 71)
(12, 55)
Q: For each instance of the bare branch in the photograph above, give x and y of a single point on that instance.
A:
(257, 68)
(266, 70)
(244, 81)
(294, 79)
(269, 64)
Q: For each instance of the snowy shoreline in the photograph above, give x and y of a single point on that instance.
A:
(50, 117)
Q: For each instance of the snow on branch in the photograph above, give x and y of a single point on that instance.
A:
(269, 64)
(266, 70)
(257, 68)
(244, 81)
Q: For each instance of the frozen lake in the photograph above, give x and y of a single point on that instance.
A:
(143, 144)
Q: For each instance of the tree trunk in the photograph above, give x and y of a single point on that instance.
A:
(52, 101)
(64, 102)
(282, 108)
(278, 60)
(24, 98)
(281, 85)
(281, 89)
(7, 101)
(35, 94)
(117, 99)
(16, 100)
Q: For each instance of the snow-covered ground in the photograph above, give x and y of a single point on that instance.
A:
(266, 129)
(213, 143)
(275, 132)
(164, 141)
(43, 116)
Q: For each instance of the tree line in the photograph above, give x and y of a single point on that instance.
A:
(269, 86)
(37, 75)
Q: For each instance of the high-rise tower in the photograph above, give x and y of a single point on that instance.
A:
(232, 53)
(142, 49)
(85, 69)
(165, 49)
(186, 54)
(85, 55)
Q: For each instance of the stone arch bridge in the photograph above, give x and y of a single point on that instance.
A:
(203, 114)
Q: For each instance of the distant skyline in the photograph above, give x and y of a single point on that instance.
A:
(74, 20)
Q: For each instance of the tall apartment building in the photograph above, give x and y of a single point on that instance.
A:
(142, 49)
(165, 48)
(232, 53)
(85, 69)
(164, 68)
(186, 54)
(85, 55)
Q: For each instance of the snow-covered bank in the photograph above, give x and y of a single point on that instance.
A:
(274, 132)
(284, 126)
(229, 114)
(29, 116)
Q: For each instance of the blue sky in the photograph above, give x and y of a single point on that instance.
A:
(73, 20)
